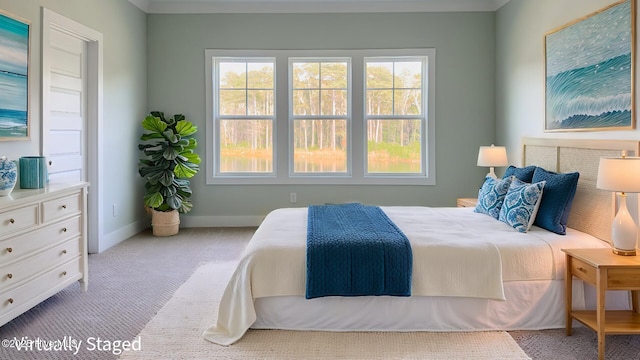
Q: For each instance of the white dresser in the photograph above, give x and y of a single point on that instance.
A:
(43, 245)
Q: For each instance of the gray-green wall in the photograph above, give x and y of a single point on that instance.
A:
(520, 76)
(123, 27)
(465, 96)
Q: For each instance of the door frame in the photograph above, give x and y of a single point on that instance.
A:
(93, 132)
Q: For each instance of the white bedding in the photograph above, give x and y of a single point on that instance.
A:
(446, 239)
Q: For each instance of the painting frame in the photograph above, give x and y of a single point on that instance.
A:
(15, 53)
(590, 71)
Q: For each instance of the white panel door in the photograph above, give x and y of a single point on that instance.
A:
(64, 135)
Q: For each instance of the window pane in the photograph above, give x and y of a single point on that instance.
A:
(393, 146)
(246, 146)
(305, 102)
(260, 76)
(320, 146)
(408, 74)
(233, 102)
(408, 102)
(232, 75)
(334, 75)
(379, 75)
(260, 102)
(379, 102)
(334, 102)
(306, 75)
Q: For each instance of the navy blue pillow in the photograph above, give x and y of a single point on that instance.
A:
(523, 174)
(556, 200)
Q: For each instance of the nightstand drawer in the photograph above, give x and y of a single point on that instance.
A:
(583, 271)
(626, 279)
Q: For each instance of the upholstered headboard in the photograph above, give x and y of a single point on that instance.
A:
(593, 209)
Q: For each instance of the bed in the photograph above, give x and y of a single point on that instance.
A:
(470, 272)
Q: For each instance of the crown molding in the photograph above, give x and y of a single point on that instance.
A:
(314, 6)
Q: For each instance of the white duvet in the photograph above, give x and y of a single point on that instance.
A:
(456, 252)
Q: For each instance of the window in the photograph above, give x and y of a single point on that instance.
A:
(320, 116)
(394, 115)
(244, 115)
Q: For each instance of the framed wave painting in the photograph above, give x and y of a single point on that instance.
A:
(589, 72)
(14, 71)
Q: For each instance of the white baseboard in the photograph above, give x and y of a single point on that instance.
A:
(128, 231)
(122, 234)
(220, 221)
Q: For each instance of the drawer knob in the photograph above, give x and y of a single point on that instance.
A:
(9, 250)
(64, 206)
(64, 251)
(581, 269)
(64, 229)
(64, 273)
(9, 276)
(10, 301)
(12, 221)
(50, 162)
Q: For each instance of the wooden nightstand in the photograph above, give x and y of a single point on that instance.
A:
(606, 271)
(467, 202)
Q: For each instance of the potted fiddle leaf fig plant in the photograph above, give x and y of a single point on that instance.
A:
(167, 163)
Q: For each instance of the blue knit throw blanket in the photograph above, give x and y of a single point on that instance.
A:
(356, 250)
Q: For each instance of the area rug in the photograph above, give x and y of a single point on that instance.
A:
(175, 333)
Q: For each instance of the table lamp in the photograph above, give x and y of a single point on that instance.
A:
(621, 175)
(492, 156)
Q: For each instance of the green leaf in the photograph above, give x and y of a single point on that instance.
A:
(170, 153)
(185, 170)
(166, 178)
(189, 156)
(154, 124)
(153, 200)
(186, 128)
(174, 202)
(186, 207)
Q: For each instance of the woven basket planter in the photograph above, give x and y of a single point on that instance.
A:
(165, 223)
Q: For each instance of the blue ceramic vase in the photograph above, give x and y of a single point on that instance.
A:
(8, 176)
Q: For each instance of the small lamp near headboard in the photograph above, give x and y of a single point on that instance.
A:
(492, 156)
(621, 175)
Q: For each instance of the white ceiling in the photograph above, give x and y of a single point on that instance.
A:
(312, 6)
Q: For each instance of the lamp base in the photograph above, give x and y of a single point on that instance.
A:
(624, 252)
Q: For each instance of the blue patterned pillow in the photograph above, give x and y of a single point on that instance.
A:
(491, 195)
(521, 204)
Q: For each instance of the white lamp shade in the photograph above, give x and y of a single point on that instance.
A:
(619, 174)
(492, 156)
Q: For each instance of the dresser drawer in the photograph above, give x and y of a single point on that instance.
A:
(20, 271)
(583, 271)
(25, 244)
(31, 293)
(58, 208)
(18, 219)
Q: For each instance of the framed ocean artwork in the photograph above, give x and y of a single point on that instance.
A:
(14, 77)
(589, 72)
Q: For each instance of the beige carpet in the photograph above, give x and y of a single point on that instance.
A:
(174, 333)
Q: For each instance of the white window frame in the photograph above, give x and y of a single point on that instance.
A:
(357, 130)
(422, 116)
(293, 118)
(217, 118)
